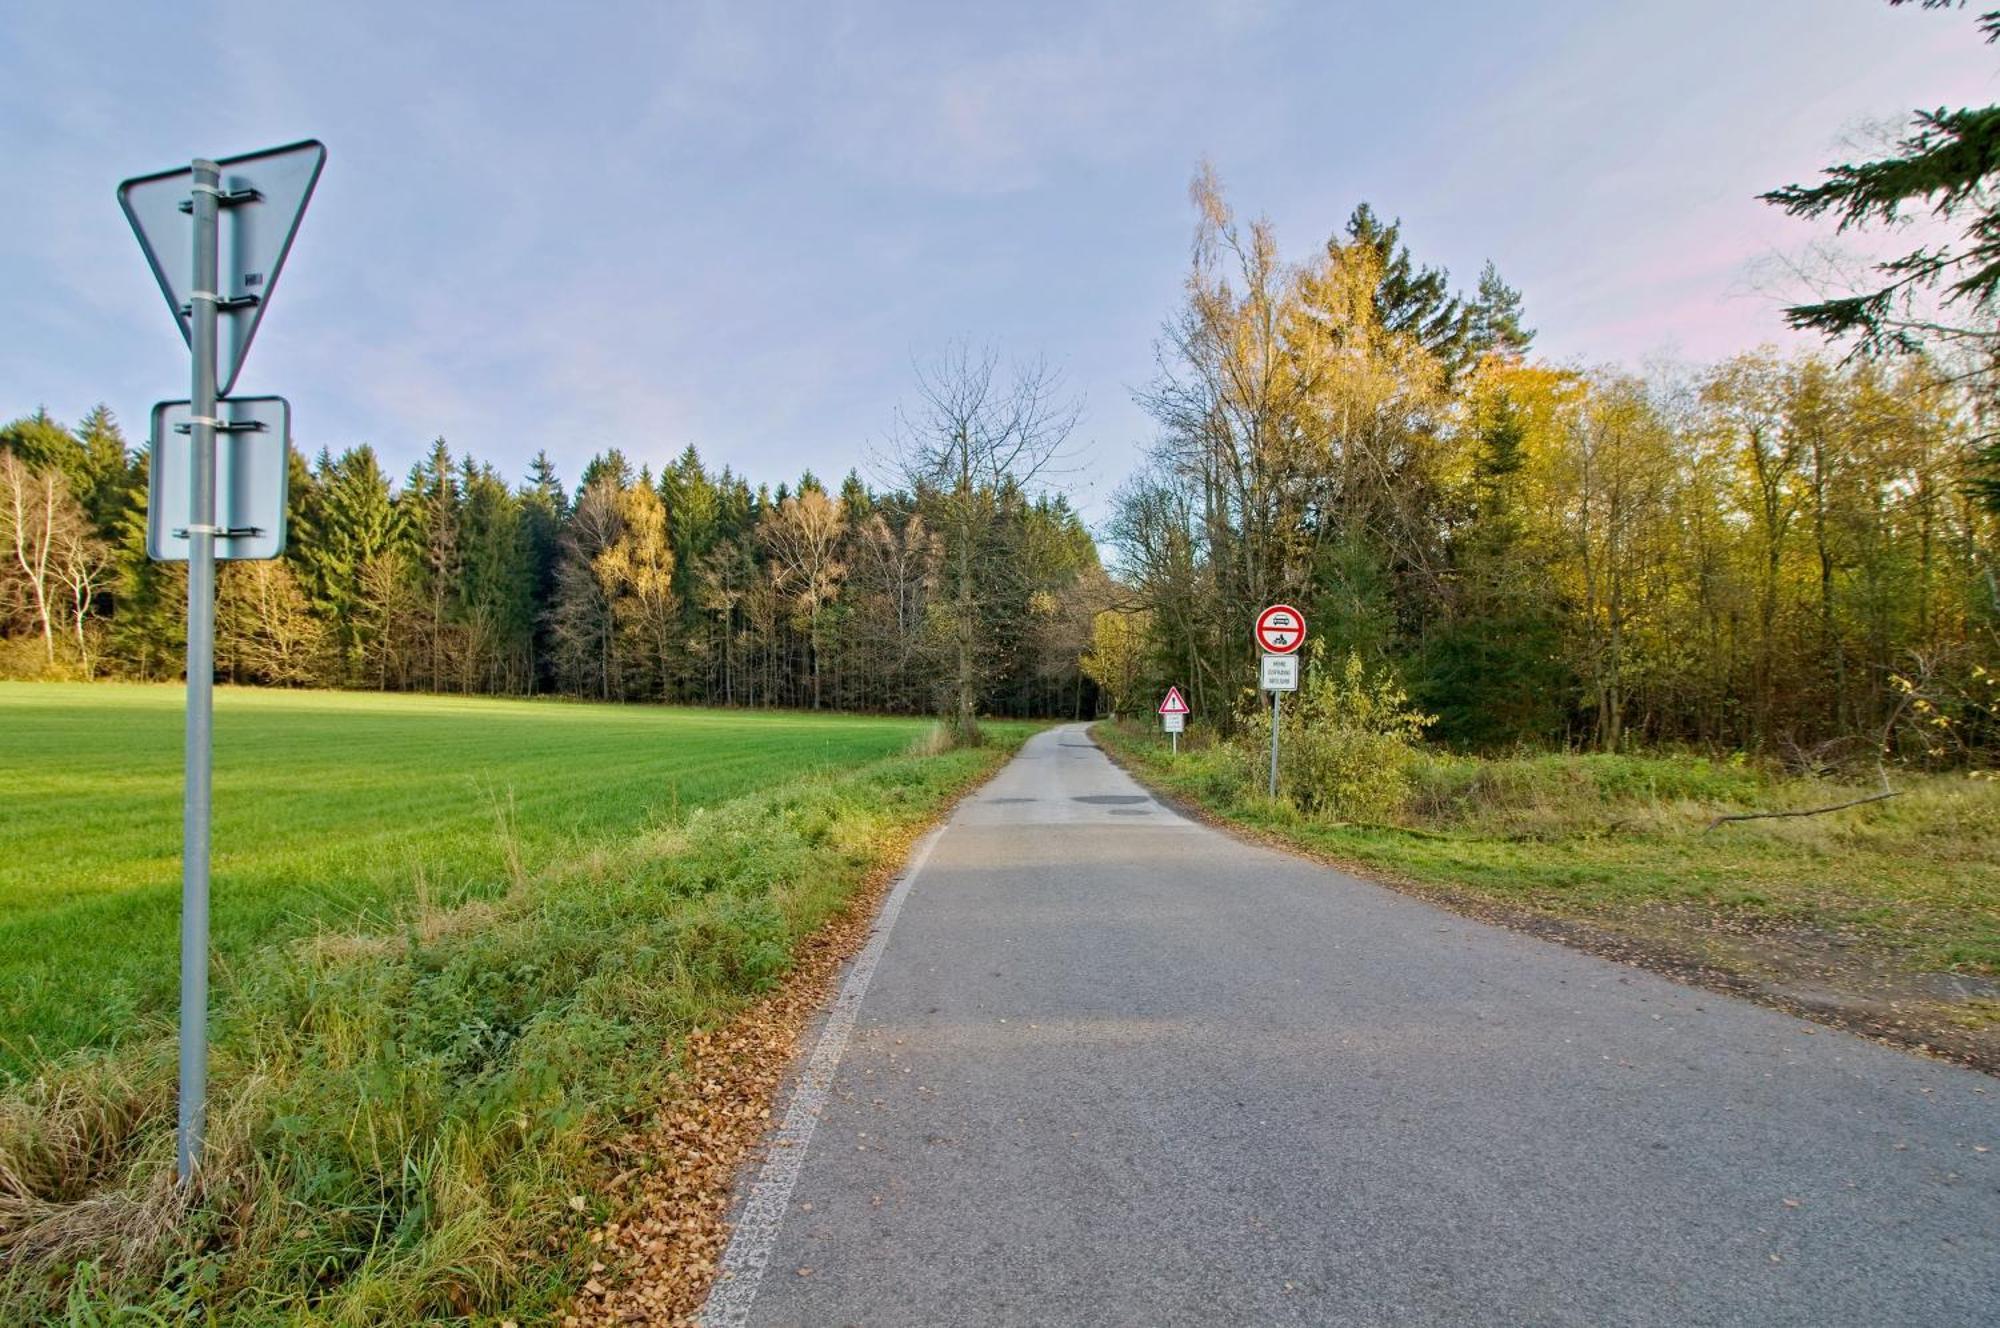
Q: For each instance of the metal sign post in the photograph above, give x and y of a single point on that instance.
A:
(1274, 744)
(1280, 631)
(264, 195)
(200, 677)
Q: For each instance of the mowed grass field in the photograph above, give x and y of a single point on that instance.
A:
(331, 810)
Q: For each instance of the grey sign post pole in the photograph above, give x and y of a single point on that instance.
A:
(1275, 698)
(231, 492)
(200, 676)
(1279, 632)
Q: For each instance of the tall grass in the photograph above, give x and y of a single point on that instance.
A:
(404, 1119)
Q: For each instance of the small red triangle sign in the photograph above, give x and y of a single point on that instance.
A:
(1174, 705)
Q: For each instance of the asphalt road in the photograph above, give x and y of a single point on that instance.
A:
(1117, 1068)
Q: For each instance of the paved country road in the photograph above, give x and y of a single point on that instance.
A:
(1114, 1067)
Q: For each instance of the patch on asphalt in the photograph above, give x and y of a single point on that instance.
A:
(1111, 799)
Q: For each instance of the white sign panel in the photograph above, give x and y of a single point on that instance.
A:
(1280, 673)
(1173, 723)
(252, 475)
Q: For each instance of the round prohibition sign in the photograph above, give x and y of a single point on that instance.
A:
(1281, 629)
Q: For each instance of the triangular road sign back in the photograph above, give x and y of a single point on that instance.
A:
(1174, 704)
(263, 196)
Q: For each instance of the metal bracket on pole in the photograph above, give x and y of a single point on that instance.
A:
(223, 197)
(223, 303)
(220, 532)
(225, 426)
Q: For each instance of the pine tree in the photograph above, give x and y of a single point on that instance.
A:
(1409, 299)
(433, 502)
(611, 466)
(495, 591)
(104, 469)
(40, 442)
(1491, 671)
(1945, 166)
(149, 628)
(357, 526)
(693, 505)
(1496, 317)
(544, 509)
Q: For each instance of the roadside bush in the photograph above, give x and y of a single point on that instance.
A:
(1349, 741)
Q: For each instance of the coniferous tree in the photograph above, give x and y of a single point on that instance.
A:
(433, 503)
(149, 627)
(102, 479)
(1496, 325)
(353, 559)
(1945, 166)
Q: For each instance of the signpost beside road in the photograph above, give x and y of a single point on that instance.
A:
(1173, 716)
(216, 234)
(1280, 631)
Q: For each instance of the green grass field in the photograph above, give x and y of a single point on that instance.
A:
(332, 810)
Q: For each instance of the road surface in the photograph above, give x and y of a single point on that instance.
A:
(1109, 1066)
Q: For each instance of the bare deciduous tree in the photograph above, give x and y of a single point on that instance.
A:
(972, 434)
(56, 560)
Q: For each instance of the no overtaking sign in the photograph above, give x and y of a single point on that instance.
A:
(1280, 629)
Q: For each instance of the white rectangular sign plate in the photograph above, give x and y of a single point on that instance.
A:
(1280, 673)
(252, 478)
(1173, 723)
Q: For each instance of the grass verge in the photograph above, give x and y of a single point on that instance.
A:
(1883, 918)
(407, 1122)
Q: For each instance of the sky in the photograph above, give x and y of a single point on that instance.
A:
(743, 226)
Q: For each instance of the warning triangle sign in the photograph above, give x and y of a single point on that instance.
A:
(1174, 704)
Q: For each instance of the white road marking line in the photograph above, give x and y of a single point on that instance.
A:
(756, 1233)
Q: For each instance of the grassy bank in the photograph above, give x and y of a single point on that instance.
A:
(1894, 903)
(330, 809)
(406, 1116)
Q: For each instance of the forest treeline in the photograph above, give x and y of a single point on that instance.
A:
(687, 585)
(1787, 554)
(1794, 555)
